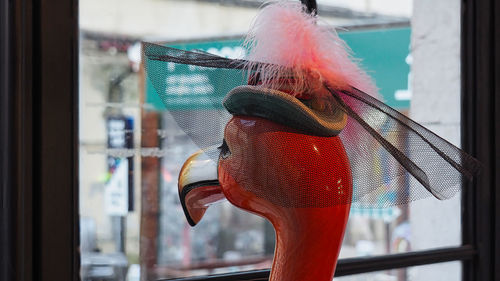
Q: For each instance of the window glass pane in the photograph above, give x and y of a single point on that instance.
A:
(131, 149)
(449, 271)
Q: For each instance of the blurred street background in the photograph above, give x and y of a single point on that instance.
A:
(131, 150)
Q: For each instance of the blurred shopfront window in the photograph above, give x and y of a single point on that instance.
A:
(131, 150)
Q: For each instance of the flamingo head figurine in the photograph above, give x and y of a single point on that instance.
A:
(281, 159)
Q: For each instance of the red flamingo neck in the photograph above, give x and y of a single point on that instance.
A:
(308, 242)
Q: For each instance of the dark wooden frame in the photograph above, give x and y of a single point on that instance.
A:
(39, 147)
(38, 140)
(481, 135)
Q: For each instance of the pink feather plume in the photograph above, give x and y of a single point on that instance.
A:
(284, 35)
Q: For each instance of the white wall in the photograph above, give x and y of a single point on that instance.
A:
(435, 48)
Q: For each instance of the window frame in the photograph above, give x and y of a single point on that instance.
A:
(39, 148)
(39, 137)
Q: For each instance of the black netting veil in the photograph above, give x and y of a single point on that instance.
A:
(394, 160)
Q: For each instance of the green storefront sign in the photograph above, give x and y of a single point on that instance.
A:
(383, 54)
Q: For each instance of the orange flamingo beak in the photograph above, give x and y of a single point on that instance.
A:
(198, 186)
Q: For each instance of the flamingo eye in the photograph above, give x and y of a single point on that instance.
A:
(224, 150)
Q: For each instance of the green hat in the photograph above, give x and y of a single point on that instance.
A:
(319, 115)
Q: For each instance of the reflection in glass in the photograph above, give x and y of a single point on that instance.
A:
(132, 225)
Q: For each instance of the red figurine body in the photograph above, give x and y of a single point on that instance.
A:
(279, 173)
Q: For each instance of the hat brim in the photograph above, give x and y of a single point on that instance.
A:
(285, 109)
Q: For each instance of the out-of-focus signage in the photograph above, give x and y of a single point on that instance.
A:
(116, 192)
(383, 53)
(192, 87)
(119, 190)
(386, 214)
